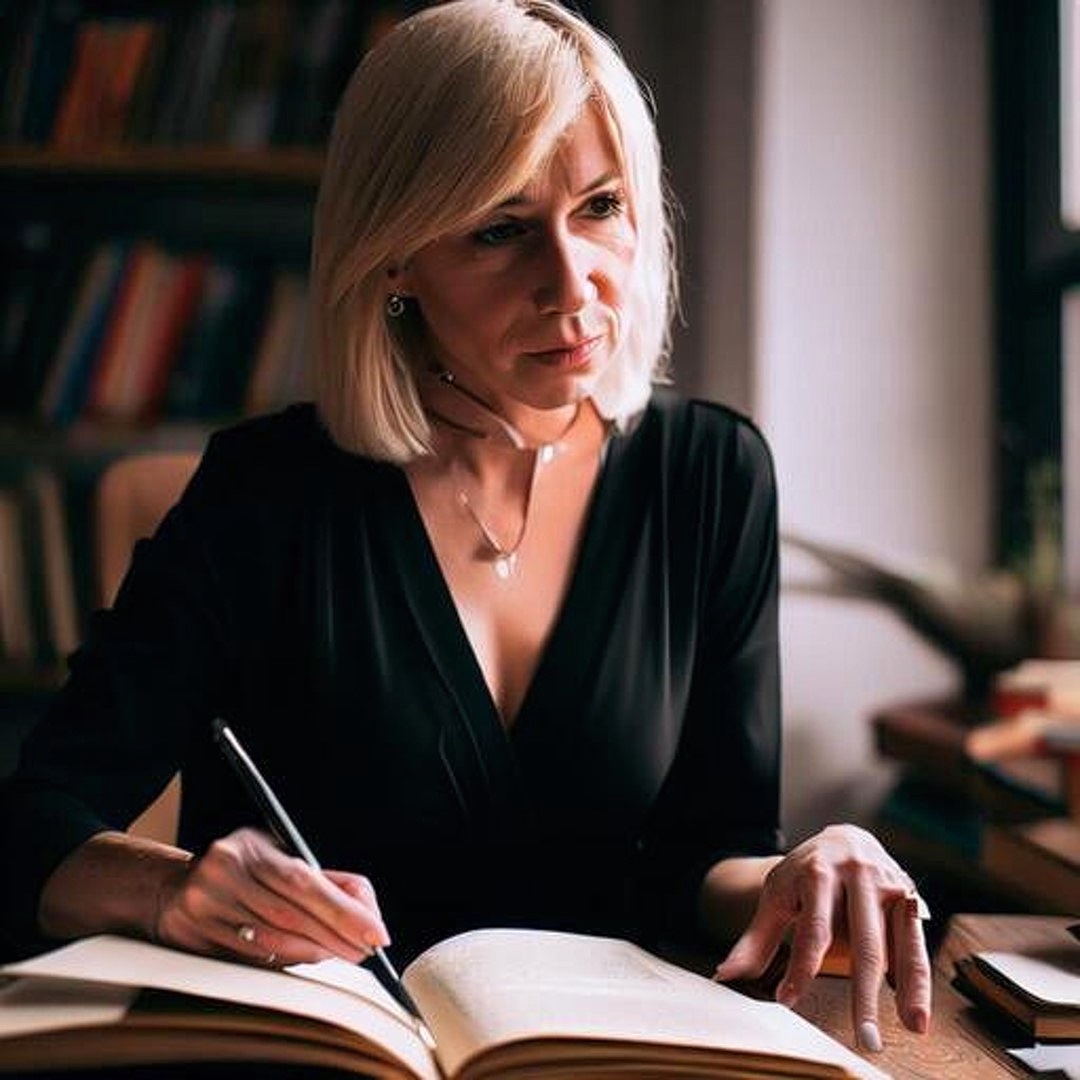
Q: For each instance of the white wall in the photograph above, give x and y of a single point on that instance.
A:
(873, 352)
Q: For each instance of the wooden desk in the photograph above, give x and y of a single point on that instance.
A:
(962, 1041)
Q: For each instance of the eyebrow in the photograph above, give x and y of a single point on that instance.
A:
(599, 182)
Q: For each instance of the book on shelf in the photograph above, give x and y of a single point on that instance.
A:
(1039, 861)
(131, 314)
(280, 367)
(246, 73)
(52, 31)
(316, 72)
(56, 564)
(1039, 991)
(245, 105)
(39, 611)
(108, 57)
(151, 317)
(72, 368)
(150, 334)
(37, 278)
(144, 391)
(17, 640)
(995, 765)
(213, 39)
(214, 362)
(21, 32)
(499, 1002)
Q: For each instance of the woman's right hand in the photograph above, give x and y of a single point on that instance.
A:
(246, 899)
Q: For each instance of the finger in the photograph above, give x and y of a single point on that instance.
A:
(301, 901)
(246, 873)
(911, 965)
(752, 954)
(359, 888)
(866, 921)
(208, 922)
(264, 946)
(812, 938)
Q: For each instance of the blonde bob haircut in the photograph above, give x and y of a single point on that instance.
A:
(451, 114)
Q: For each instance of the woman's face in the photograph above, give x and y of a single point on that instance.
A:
(526, 308)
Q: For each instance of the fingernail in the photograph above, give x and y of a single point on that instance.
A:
(376, 939)
(785, 993)
(919, 1021)
(869, 1037)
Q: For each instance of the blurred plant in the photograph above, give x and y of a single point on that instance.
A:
(1042, 565)
(983, 625)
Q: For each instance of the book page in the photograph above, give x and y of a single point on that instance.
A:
(1058, 1058)
(28, 1006)
(333, 991)
(490, 987)
(1052, 976)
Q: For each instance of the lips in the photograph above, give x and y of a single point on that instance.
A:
(570, 356)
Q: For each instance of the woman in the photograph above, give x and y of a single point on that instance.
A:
(498, 621)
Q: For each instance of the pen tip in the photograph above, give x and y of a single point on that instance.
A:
(217, 726)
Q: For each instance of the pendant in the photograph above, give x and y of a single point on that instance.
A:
(504, 565)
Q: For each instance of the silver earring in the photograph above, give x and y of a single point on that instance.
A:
(395, 305)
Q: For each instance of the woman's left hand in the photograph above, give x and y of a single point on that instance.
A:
(841, 883)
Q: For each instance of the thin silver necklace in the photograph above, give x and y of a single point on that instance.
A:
(503, 557)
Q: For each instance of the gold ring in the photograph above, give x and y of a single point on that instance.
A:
(246, 934)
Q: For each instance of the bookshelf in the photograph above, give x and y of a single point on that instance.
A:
(159, 164)
(158, 170)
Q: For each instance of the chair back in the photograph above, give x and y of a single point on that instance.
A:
(133, 495)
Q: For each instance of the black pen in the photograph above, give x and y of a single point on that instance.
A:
(288, 835)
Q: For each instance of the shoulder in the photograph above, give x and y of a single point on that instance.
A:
(697, 436)
(288, 446)
(295, 433)
(282, 463)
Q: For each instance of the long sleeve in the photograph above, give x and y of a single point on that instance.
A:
(295, 592)
(117, 731)
(721, 796)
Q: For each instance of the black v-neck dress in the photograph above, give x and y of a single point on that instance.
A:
(294, 591)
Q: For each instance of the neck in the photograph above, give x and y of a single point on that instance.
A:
(460, 412)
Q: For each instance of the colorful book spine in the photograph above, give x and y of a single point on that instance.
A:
(65, 389)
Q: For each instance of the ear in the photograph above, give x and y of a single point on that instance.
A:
(397, 277)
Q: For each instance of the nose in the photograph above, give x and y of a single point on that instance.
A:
(566, 279)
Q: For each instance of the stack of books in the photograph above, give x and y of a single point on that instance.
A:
(1039, 993)
(1036, 994)
(991, 801)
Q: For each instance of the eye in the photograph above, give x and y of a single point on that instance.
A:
(606, 204)
(499, 232)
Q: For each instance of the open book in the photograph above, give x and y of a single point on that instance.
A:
(500, 1003)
